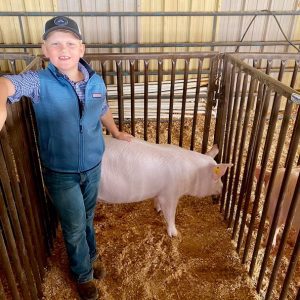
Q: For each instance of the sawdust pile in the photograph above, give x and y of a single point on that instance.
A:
(143, 262)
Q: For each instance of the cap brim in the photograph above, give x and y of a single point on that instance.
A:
(45, 35)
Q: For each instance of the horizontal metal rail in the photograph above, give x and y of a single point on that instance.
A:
(152, 14)
(276, 85)
(165, 45)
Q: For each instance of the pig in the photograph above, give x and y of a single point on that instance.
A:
(138, 170)
(286, 202)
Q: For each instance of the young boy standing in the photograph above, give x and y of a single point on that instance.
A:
(69, 100)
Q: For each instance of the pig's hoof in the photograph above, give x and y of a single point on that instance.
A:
(158, 209)
(172, 232)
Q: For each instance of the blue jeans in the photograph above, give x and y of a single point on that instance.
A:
(74, 197)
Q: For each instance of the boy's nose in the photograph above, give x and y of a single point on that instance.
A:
(64, 47)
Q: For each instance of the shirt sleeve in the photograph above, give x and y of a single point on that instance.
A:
(105, 108)
(26, 84)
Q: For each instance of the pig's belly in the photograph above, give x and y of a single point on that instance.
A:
(120, 191)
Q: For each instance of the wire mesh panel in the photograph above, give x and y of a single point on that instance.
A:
(258, 128)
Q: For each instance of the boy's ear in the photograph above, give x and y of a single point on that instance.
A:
(44, 50)
(82, 50)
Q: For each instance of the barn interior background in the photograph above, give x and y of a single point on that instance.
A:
(191, 73)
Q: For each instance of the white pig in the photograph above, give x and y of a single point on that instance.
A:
(286, 202)
(138, 170)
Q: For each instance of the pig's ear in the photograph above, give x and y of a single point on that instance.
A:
(213, 151)
(219, 170)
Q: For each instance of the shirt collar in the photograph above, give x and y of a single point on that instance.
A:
(83, 67)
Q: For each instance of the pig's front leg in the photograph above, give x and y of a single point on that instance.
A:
(169, 210)
(157, 205)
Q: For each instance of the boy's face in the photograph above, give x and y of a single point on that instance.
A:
(64, 50)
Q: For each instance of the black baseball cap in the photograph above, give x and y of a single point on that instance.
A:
(61, 23)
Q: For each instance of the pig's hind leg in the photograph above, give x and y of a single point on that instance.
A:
(169, 210)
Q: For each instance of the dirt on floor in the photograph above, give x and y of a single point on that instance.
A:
(143, 262)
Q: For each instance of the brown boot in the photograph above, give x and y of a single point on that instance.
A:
(99, 269)
(87, 290)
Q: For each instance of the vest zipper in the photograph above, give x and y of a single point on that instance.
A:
(81, 109)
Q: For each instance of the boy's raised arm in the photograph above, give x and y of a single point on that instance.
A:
(6, 89)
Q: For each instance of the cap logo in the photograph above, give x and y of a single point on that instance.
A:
(60, 21)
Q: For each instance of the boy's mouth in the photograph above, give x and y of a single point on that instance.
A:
(64, 57)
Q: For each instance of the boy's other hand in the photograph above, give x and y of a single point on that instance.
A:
(123, 136)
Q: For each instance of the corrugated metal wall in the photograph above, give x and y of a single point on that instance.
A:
(156, 28)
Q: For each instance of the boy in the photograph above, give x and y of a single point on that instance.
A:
(69, 102)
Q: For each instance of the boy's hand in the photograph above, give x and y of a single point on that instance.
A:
(6, 89)
(123, 136)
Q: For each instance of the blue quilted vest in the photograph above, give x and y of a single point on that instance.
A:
(70, 136)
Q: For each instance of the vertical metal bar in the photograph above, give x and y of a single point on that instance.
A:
(260, 101)
(215, 19)
(12, 248)
(30, 235)
(231, 134)
(7, 268)
(14, 128)
(23, 249)
(292, 153)
(290, 271)
(13, 66)
(103, 72)
(267, 148)
(184, 93)
(250, 101)
(22, 31)
(2, 295)
(16, 134)
(235, 148)
(222, 112)
(173, 62)
(198, 85)
(132, 94)
(211, 101)
(279, 148)
(224, 78)
(226, 132)
(283, 240)
(159, 79)
(146, 86)
(256, 145)
(120, 94)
